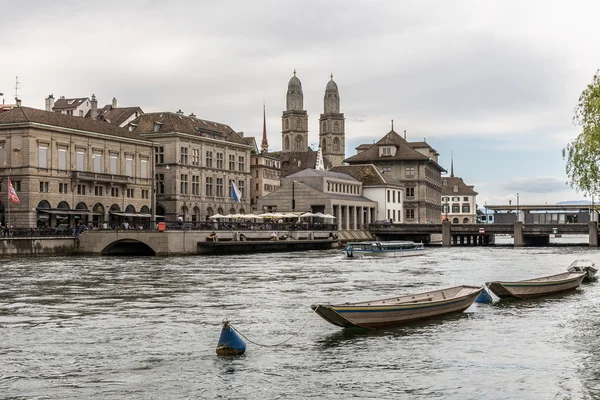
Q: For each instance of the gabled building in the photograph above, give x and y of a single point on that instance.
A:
(459, 200)
(196, 160)
(78, 106)
(381, 188)
(265, 168)
(121, 116)
(326, 192)
(413, 164)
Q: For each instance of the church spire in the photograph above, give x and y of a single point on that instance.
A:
(452, 164)
(264, 146)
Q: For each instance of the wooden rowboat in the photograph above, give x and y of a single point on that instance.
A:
(537, 287)
(399, 310)
(584, 265)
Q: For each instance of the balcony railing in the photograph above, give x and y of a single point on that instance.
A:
(96, 177)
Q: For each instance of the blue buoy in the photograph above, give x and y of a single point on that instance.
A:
(484, 297)
(230, 343)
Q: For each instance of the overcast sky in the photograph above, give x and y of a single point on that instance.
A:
(494, 82)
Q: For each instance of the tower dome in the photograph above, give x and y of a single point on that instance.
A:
(332, 97)
(295, 97)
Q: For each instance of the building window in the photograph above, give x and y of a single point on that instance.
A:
(455, 189)
(219, 187)
(160, 183)
(209, 186)
(63, 187)
(98, 190)
(209, 159)
(445, 209)
(196, 185)
(143, 168)
(232, 163)
(241, 164)
(113, 164)
(386, 170)
(62, 158)
(183, 184)
(43, 156)
(196, 157)
(145, 194)
(456, 199)
(386, 151)
(410, 213)
(183, 158)
(129, 166)
(97, 158)
(466, 208)
(44, 187)
(16, 185)
(255, 173)
(114, 192)
(2, 155)
(81, 189)
(159, 155)
(219, 160)
(388, 196)
(130, 193)
(455, 208)
(80, 160)
(410, 172)
(465, 198)
(410, 192)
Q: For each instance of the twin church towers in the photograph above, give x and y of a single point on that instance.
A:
(294, 128)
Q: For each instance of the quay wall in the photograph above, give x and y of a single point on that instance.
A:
(38, 246)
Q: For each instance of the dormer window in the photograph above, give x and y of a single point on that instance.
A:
(132, 127)
(455, 189)
(387, 151)
(156, 127)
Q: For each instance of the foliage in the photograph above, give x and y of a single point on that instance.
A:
(583, 153)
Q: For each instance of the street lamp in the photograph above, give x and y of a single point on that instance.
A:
(293, 196)
(518, 213)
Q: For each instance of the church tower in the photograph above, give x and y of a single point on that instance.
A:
(294, 121)
(332, 128)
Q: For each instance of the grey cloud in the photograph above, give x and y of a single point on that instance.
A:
(535, 184)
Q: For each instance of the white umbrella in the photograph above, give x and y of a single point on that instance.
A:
(227, 216)
(307, 214)
(328, 216)
(320, 215)
(217, 216)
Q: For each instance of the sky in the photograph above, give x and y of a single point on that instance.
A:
(493, 83)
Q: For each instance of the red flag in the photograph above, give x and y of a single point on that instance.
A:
(12, 195)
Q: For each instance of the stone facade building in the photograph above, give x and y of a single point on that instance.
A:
(196, 160)
(326, 192)
(381, 188)
(67, 169)
(332, 128)
(414, 164)
(459, 200)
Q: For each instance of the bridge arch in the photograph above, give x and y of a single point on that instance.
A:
(128, 247)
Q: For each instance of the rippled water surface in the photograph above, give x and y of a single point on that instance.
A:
(147, 328)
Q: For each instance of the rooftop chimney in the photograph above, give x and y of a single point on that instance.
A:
(193, 115)
(18, 101)
(114, 102)
(49, 103)
(94, 112)
(180, 112)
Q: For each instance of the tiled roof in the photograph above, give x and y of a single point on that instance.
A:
(416, 145)
(310, 172)
(174, 122)
(65, 104)
(449, 182)
(116, 115)
(367, 174)
(403, 150)
(26, 114)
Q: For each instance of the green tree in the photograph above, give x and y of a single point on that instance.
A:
(583, 153)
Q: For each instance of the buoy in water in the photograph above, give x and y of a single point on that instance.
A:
(230, 343)
(484, 297)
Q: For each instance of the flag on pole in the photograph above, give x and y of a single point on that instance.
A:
(12, 195)
(235, 192)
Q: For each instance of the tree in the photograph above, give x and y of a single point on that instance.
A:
(583, 153)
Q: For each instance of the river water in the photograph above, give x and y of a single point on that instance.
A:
(147, 328)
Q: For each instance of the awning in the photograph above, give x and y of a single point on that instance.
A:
(59, 211)
(130, 215)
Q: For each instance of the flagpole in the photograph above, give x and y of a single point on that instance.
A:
(8, 201)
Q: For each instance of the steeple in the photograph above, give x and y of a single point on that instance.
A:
(264, 146)
(294, 121)
(332, 130)
(452, 164)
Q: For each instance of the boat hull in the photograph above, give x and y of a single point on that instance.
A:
(404, 253)
(584, 265)
(536, 288)
(382, 316)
